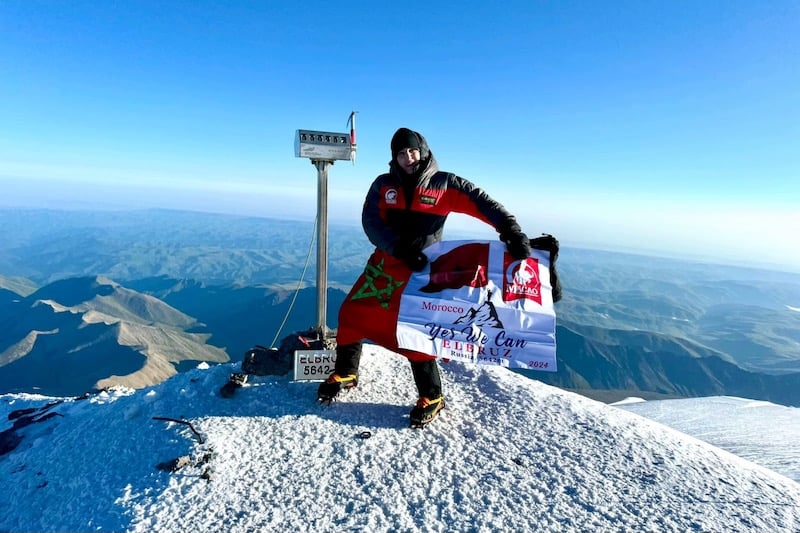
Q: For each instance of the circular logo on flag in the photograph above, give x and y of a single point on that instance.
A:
(522, 281)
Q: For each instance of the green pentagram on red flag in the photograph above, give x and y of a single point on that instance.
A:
(378, 284)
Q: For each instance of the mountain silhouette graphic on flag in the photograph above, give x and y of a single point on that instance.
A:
(464, 266)
(485, 315)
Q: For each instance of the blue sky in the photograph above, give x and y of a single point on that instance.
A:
(656, 126)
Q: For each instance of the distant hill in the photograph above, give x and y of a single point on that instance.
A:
(241, 317)
(592, 359)
(82, 334)
(16, 285)
(742, 313)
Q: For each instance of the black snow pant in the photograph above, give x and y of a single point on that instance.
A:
(348, 356)
(427, 378)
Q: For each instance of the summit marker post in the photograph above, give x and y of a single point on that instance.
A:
(323, 148)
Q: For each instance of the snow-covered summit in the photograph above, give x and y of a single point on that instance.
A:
(507, 454)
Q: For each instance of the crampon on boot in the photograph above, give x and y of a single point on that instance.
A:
(330, 388)
(425, 411)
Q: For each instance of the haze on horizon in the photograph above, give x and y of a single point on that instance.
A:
(628, 126)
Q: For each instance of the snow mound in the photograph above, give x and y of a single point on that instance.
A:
(508, 453)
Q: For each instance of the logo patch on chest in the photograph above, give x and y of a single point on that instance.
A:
(427, 200)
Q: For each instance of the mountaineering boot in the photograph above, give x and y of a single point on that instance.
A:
(345, 372)
(330, 388)
(425, 411)
(429, 385)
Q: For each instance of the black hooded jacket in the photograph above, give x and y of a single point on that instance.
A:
(414, 207)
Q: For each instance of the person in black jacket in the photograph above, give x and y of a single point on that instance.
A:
(404, 212)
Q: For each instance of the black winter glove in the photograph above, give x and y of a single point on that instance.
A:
(517, 244)
(410, 253)
(550, 244)
(547, 243)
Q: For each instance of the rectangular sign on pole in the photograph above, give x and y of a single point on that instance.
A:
(313, 365)
(323, 145)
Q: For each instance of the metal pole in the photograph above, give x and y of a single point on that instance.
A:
(322, 244)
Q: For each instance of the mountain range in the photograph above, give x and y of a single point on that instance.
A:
(91, 333)
(133, 297)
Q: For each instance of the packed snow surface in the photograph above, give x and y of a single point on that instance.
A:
(762, 432)
(507, 454)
